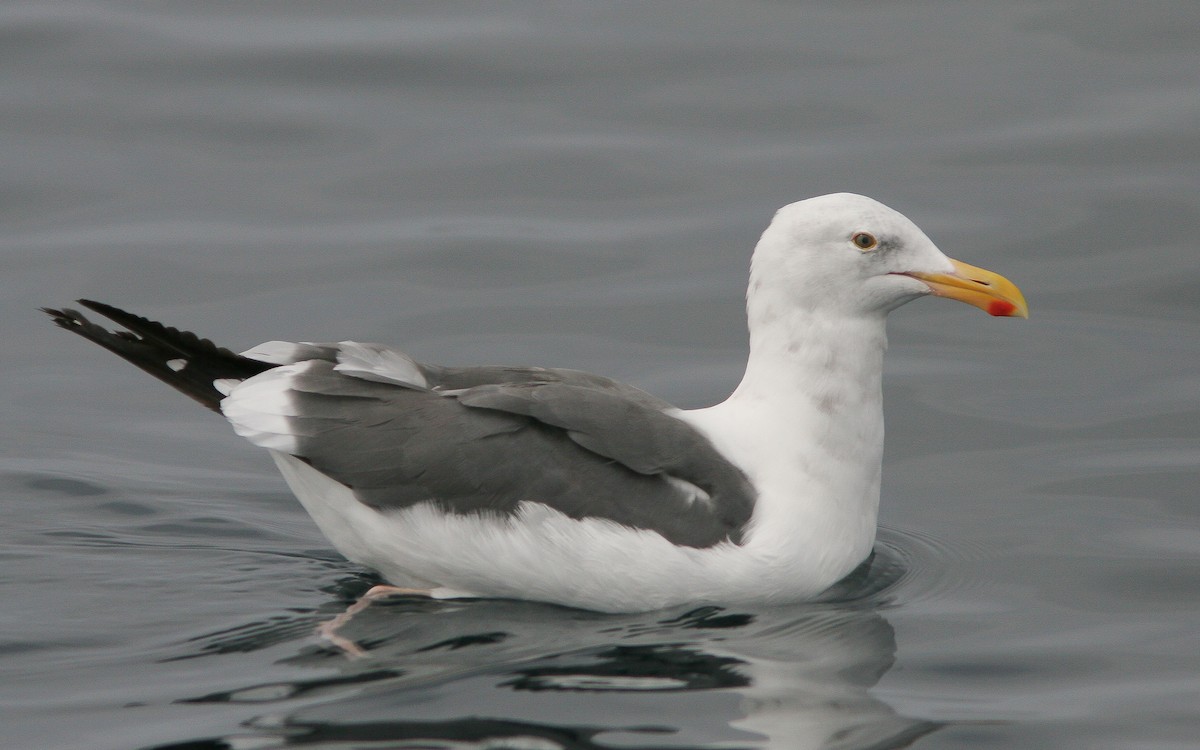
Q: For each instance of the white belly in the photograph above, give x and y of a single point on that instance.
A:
(543, 555)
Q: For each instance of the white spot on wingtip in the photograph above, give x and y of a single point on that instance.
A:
(177, 364)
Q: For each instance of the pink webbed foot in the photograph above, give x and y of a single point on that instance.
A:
(328, 630)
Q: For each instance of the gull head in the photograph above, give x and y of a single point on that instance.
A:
(848, 255)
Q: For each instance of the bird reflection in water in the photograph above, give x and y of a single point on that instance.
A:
(514, 674)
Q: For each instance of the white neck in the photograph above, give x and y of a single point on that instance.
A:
(806, 425)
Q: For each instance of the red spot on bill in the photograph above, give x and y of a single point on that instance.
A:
(1000, 308)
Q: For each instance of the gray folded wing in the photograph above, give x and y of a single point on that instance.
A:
(486, 439)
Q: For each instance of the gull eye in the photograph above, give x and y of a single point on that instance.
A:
(864, 241)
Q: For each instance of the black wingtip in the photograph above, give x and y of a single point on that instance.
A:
(76, 322)
(155, 348)
(64, 316)
(106, 310)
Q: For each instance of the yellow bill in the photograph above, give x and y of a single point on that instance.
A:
(979, 287)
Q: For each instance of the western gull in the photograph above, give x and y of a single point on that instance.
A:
(567, 487)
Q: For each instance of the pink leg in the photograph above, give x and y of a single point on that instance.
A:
(328, 630)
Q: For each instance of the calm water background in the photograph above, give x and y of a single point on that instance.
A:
(580, 184)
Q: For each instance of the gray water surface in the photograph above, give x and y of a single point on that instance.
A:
(580, 185)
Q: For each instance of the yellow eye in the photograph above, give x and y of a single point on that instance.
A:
(864, 241)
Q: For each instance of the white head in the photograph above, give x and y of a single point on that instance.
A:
(846, 255)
